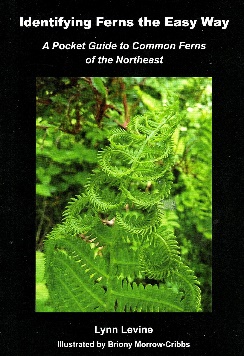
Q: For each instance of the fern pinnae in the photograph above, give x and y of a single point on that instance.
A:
(121, 139)
(188, 283)
(162, 258)
(100, 195)
(140, 225)
(108, 161)
(137, 298)
(76, 207)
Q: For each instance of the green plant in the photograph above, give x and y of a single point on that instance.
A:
(42, 296)
(193, 181)
(114, 250)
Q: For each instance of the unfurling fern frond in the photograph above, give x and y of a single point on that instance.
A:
(162, 258)
(112, 251)
(103, 193)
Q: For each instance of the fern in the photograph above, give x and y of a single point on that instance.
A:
(113, 251)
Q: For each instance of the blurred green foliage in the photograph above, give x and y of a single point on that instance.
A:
(42, 295)
(73, 118)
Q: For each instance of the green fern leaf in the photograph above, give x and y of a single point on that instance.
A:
(75, 276)
(160, 258)
(127, 297)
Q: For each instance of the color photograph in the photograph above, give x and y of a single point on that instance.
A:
(123, 194)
